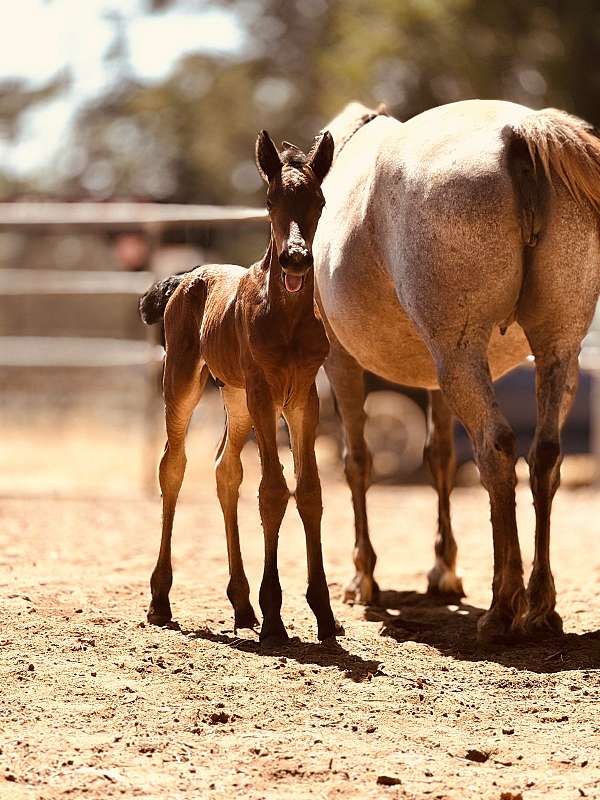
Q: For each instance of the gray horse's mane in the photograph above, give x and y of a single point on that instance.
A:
(350, 120)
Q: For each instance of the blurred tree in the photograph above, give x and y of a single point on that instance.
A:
(421, 53)
(17, 98)
(190, 137)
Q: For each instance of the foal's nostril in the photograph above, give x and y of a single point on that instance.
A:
(296, 259)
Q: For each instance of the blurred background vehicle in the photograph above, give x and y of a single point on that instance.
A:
(159, 101)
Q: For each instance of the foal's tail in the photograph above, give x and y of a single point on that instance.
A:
(566, 147)
(152, 304)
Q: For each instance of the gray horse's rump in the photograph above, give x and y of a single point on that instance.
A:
(421, 224)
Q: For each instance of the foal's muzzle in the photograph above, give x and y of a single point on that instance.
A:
(295, 263)
(296, 260)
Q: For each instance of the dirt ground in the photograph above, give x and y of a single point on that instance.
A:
(97, 704)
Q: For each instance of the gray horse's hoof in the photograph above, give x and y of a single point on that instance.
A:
(444, 582)
(494, 627)
(362, 589)
(538, 625)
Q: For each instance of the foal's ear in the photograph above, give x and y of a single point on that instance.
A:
(321, 155)
(267, 157)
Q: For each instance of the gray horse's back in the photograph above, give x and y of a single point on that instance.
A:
(429, 229)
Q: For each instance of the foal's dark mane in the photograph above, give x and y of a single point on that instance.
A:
(292, 156)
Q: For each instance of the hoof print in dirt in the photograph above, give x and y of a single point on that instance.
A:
(479, 756)
(220, 718)
(388, 780)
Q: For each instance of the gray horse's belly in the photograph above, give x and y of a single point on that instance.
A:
(382, 338)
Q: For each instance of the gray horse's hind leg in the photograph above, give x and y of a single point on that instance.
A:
(467, 386)
(555, 309)
(557, 376)
(439, 454)
(347, 382)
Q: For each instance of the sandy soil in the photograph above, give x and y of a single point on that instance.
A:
(97, 704)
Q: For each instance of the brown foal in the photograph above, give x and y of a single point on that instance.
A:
(256, 332)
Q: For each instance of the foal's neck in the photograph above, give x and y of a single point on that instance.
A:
(293, 304)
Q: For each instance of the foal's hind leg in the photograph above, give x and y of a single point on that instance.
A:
(465, 380)
(184, 379)
(439, 453)
(347, 382)
(229, 475)
(184, 382)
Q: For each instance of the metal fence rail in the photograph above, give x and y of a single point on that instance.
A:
(102, 217)
(63, 281)
(152, 219)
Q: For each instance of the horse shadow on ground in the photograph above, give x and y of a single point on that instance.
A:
(450, 626)
(329, 653)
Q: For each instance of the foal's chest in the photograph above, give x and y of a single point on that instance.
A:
(292, 355)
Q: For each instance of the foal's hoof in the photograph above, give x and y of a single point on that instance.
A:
(494, 627)
(273, 635)
(444, 582)
(159, 614)
(330, 630)
(245, 618)
(362, 589)
(541, 624)
(274, 642)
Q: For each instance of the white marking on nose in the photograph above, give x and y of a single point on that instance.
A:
(296, 245)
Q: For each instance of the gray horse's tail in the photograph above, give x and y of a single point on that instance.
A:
(566, 147)
(152, 304)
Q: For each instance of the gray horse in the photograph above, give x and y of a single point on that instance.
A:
(451, 247)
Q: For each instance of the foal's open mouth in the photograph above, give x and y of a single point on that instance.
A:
(293, 283)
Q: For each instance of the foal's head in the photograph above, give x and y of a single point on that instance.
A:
(294, 200)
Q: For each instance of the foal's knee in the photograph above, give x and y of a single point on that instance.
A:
(229, 474)
(273, 494)
(171, 469)
(308, 497)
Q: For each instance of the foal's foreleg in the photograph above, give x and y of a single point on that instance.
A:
(347, 382)
(273, 496)
(229, 475)
(439, 453)
(302, 421)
